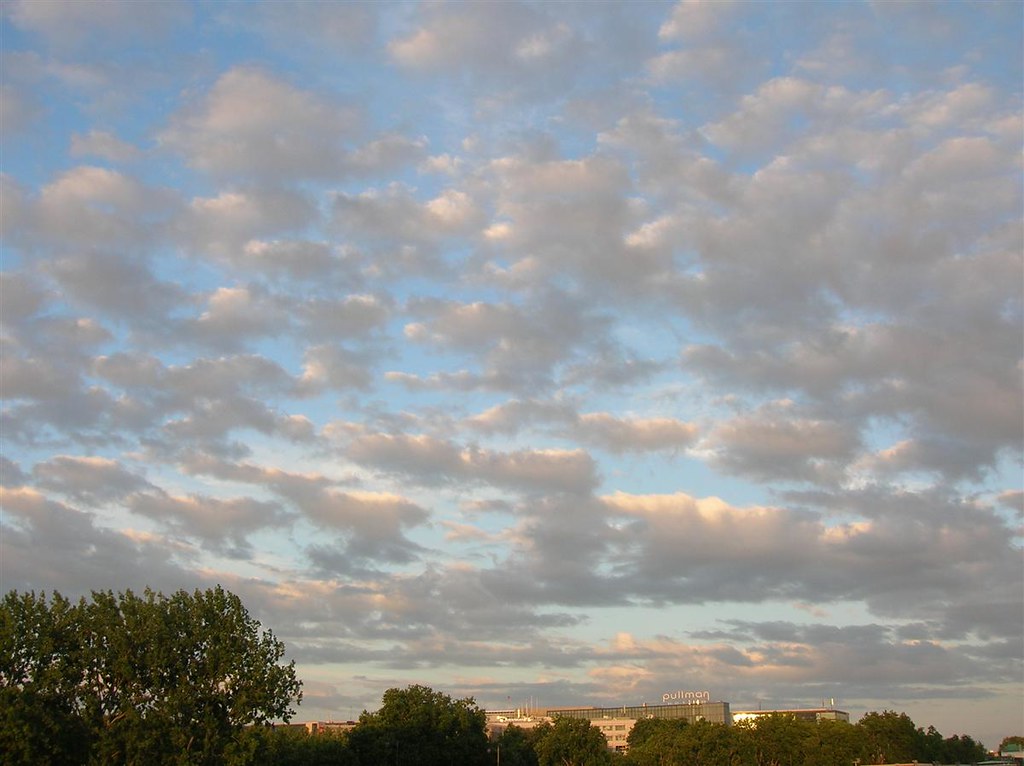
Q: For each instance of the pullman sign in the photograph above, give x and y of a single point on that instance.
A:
(684, 696)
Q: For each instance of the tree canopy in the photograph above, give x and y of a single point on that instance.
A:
(418, 726)
(571, 742)
(135, 679)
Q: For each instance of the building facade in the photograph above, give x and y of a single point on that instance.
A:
(715, 712)
(614, 722)
(813, 714)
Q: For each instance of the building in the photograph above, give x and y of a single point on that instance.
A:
(1012, 751)
(716, 712)
(499, 720)
(320, 727)
(616, 731)
(614, 722)
(813, 714)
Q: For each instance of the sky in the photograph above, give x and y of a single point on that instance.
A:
(545, 353)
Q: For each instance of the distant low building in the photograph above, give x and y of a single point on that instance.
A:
(320, 727)
(715, 712)
(1012, 750)
(499, 720)
(614, 722)
(813, 714)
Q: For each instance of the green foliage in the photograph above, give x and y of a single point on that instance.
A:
(652, 731)
(962, 749)
(1014, 740)
(784, 740)
(712, 744)
(888, 737)
(417, 726)
(38, 681)
(515, 748)
(287, 746)
(830, 742)
(124, 679)
(571, 742)
(658, 742)
(778, 739)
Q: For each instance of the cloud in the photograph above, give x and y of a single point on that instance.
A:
(97, 143)
(694, 19)
(225, 225)
(776, 444)
(519, 344)
(679, 548)
(297, 260)
(89, 207)
(333, 367)
(598, 428)
(518, 52)
(635, 434)
(117, 286)
(511, 416)
(223, 525)
(51, 546)
(254, 125)
(372, 524)
(358, 316)
(508, 37)
(88, 480)
(85, 22)
(714, 50)
(395, 216)
(433, 461)
(314, 29)
(234, 315)
(19, 109)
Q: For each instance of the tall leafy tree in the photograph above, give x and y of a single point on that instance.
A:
(777, 739)
(418, 726)
(962, 749)
(889, 737)
(514, 748)
(40, 647)
(713, 744)
(141, 679)
(289, 746)
(657, 742)
(571, 742)
(827, 743)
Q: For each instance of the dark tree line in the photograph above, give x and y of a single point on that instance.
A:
(782, 740)
(192, 679)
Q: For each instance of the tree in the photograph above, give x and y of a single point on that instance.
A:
(289, 746)
(515, 747)
(777, 739)
(656, 741)
(931, 746)
(150, 679)
(1014, 740)
(571, 742)
(417, 726)
(828, 743)
(714, 744)
(888, 737)
(962, 749)
(38, 681)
